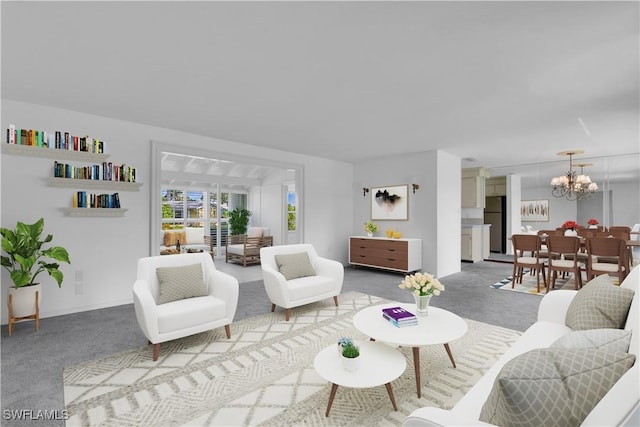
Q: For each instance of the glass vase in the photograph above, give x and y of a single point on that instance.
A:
(422, 304)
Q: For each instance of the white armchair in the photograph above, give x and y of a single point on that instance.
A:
(161, 322)
(325, 280)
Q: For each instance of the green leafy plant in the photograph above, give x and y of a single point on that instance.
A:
(239, 220)
(26, 258)
(350, 350)
(371, 227)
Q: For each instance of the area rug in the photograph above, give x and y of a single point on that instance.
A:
(529, 285)
(264, 375)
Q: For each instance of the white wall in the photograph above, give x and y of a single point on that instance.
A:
(104, 251)
(437, 198)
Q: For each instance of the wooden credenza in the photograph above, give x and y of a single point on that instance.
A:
(390, 254)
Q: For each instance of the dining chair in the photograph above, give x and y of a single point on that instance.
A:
(607, 255)
(563, 257)
(523, 244)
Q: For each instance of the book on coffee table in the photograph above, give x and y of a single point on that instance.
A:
(398, 316)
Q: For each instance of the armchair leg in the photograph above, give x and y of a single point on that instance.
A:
(287, 314)
(335, 300)
(273, 308)
(228, 331)
(156, 351)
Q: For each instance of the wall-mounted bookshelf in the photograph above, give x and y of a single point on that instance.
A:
(95, 184)
(52, 153)
(95, 212)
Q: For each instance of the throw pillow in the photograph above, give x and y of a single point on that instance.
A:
(599, 304)
(295, 265)
(254, 232)
(181, 282)
(553, 387)
(604, 339)
(172, 237)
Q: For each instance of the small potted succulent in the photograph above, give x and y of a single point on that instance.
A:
(350, 356)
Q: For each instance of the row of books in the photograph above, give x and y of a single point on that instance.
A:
(105, 172)
(399, 317)
(83, 200)
(57, 139)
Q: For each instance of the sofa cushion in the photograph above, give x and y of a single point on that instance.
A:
(194, 236)
(599, 304)
(604, 339)
(553, 387)
(254, 232)
(172, 237)
(202, 310)
(176, 283)
(295, 265)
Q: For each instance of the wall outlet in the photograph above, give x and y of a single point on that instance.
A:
(79, 288)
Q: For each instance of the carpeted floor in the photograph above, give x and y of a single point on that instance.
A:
(264, 375)
(33, 362)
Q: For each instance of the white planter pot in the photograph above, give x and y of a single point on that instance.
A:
(350, 365)
(23, 300)
(570, 232)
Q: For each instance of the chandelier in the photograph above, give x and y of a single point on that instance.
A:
(572, 185)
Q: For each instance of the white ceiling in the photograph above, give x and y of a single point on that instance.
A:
(501, 82)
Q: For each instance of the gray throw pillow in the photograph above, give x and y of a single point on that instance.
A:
(295, 265)
(553, 387)
(181, 282)
(604, 339)
(599, 304)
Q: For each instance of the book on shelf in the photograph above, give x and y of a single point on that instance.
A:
(58, 140)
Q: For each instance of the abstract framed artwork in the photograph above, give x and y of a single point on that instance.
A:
(390, 203)
(534, 210)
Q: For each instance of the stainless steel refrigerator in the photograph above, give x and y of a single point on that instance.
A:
(495, 213)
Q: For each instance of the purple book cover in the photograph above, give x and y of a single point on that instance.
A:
(398, 313)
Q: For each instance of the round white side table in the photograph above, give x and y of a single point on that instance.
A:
(379, 364)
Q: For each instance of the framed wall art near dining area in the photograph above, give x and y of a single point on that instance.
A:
(534, 210)
(391, 202)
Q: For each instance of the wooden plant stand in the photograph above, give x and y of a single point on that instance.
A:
(13, 320)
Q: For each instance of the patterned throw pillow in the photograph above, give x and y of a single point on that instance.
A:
(181, 282)
(604, 339)
(599, 304)
(553, 387)
(295, 265)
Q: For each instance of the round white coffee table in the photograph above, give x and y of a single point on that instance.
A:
(439, 327)
(379, 364)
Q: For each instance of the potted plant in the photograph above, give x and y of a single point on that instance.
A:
(239, 220)
(25, 260)
(350, 354)
(370, 228)
(570, 228)
(593, 223)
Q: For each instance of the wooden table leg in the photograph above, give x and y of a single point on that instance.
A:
(393, 399)
(332, 394)
(446, 347)
(416, 367)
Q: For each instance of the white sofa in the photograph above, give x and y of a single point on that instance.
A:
(619, 407)
(194, 239)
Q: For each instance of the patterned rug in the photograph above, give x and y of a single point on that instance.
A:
(529, 285)
(264, 375)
